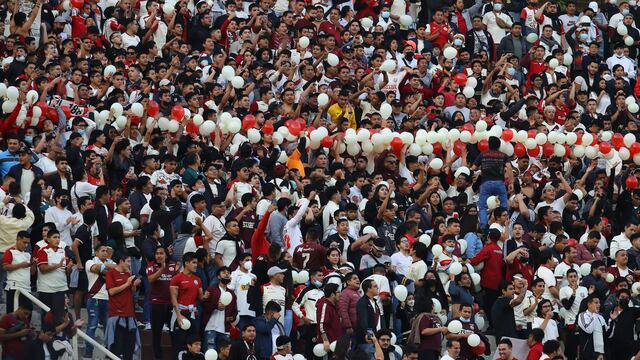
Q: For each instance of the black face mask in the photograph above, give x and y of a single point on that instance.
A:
(225, 281)
(409, 56)
(624, 303)
(64, 202)
(430, 282)
(524, 260)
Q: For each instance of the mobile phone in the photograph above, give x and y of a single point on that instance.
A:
(370, 334)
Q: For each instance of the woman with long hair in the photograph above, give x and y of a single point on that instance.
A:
(331, 261)
(544, 320)
(115, 238)
(428, 330)
(372, 212)
(159, 271)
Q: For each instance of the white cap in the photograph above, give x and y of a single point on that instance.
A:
(462, 170)
(164, 82)
(593, 6)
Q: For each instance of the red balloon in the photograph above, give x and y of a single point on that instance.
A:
(397, 144)
(177, 112)
(631, 182)
(547, 149)
(327, 141)
(507, 135)
(437, 148)
(192, 128)
(458, 147)
(572, 242)
(579, 139)
(267, 128)
(66, 110)
(532, 133)
(618, 140)
(294, 128)
(153, 108)
(534, 152)
(605, 147)
(460, 79)
(135, 120)
(480, 349)
(483, 145)
(567, 150)
(634, 148)
(519, 149)
(248, 122)
(469, 127)
(77, 3)
(52, 114)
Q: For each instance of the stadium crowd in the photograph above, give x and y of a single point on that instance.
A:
(347, 179)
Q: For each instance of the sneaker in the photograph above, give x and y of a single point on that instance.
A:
(165, 328)
(147, 326)
(140, 324)
(139, 308)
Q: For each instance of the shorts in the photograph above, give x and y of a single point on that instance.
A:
(83, 281)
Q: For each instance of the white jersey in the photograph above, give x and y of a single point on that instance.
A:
(240, 283)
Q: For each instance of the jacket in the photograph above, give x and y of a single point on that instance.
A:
(55, 180)
(506, 45)
(211, 304)
(16, 172)
(347, 308)
(493, 271)
(328, 320)
(7, 159)
(10, 226)
(368, 318)
(586, 256)
(137, 200)
(470, 42)
(264, 342)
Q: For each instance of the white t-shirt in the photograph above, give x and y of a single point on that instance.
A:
(128, 227)
(18, 278)
(59, 218)
(56, 280)
(549, 278)
(240, 282)
(128, 40)
(560, 273)
(401, 262)
(192, 216)
(489, 19)
(161, 178)
(550, 331)
(226, 248)
(241, 189)
(557, 205)
(216, 226)
(93, 277)
(80, 189)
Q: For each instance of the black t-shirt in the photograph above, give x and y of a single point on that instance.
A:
(503, 318)
(84, 235)
(491, 164)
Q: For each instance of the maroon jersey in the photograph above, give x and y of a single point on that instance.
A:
(309, 256)
(159, 290)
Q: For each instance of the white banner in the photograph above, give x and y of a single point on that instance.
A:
(76, 110)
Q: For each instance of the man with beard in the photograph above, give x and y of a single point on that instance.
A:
(623, 317)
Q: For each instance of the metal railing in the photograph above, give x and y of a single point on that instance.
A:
(79, 332)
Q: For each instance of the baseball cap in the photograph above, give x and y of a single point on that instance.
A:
(274, 270)
(379, 244)
(60, 19)
(593, 6)
(164, 82)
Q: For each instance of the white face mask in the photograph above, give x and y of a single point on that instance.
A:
(248, 265)
(161, 233)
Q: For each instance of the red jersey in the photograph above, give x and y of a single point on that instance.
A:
(517, 267)
(309, 256)
(159, 292)
(13, 347)
(188, 286)
(491, 255)
(120, 304)
(443, 37)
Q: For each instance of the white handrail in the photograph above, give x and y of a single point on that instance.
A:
(79, 332)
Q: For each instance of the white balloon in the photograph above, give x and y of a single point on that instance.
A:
(567, 59)
(475, 278)
(455, 268)
(366, 23)
(353, 149)
(436, 250)
(636, 159)
(436, 164)
(237, 82)
(590, 152)
(406, 20)
(532, 37)
(174, 126)
(388, 65)
(633, 108)
(117, 109)
(319, 351)
(425, 239)
(32, 97)
(572, 138)
(303, 42)
(628, 41)
(228, 73)
(622, 29)
(8, 106)
(367, 147)
(333, 59)
(3, 89)
(363, 135)
(541, 139)
(323, 99)
(455, 326)
(186, 324)
(468, 92)
(635, 288)
(407, 138)
(558, 150)
(234, 125)
(520, 136)
(578, 151)
(303, 276)
(472, 82)
(587, 139)
(198, 120)
(630, 100)
(463, 245)
(207, 128)
(385, 111)
(481, 125)
(369, 230)
(585, 269)
(552, 136)
(332, 346)
(610, 278)
(492, 202)
(137, 109)
(454, 134)
(283, 159)
(253, 135)
(450, 53)
(13, 93)
(561, 138)
(496, 131)
(553, 63)
(394, 339)
(121, 122)
(437, 306)
(473, 340)
(481, 323)
(629, 139)
(226, 298)
(168, 9)
(36, 112)
(109, 70)
(624, 153)
(211, 354)
(414, 149)
(401, 292)
(299, 357)
(427, 149)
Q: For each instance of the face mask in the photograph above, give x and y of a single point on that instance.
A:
(497, 7)
(81, 132)
(606, 77)
(201, 190)
(524, 260)
(161, 233)
(457, 42)
(225, 281)
(28, 139)
(511, 71)
(411, 302)
(317, 283)
(584, 37)
(409, 56)
(430, 282)
(624, 303)
(625, 12)
(465, 320)
(450, 249)
(64, 202)
(248, 265)
(20, 58)
(385, 14)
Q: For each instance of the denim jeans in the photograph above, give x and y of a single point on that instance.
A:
(211, 339)
(288, 322)
(3, 276)
(369, 349)
(146, 306)
(98, 311)
(489, 188)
